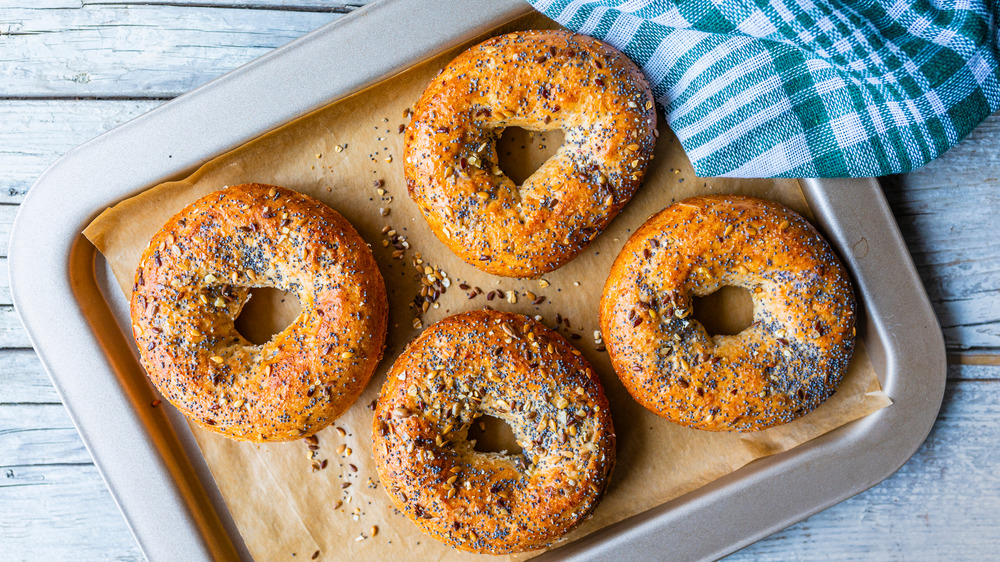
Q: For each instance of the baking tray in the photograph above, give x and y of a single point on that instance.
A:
(74, 313)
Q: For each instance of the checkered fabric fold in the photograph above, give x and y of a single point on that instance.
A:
(800, 88)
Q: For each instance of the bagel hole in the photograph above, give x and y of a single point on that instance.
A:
(725, 312)
(493, 435)
(268, 311)
(520, 152)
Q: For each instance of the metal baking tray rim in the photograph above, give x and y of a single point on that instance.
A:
(148, 457)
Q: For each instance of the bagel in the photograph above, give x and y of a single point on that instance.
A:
(782, 366)
(193, 280)
(513, 368)
(539, 81)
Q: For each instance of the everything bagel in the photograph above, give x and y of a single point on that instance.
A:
(193, 280)
(783, 366)
(536, 80)
(513, 368)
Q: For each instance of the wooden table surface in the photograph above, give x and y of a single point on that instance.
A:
(72, 69)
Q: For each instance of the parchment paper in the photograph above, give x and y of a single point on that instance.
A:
(340, 155)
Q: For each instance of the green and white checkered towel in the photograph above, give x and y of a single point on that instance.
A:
(800, 88)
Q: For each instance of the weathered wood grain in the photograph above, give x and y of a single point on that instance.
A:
(12, 334)
(949, 214)
(7, 214)
(39, 434)
(5, 299)
(23, 379)
(969, 373)
(53, 503)
(136, 51)
(35, 133)
(60, 512)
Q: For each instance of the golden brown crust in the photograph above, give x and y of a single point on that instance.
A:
(537, 80)
(783, 366)
(514, 368)
(194, 279)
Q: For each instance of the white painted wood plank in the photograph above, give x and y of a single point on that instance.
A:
(148, 51)
(61, 512)
(7, 214)
(949, 213)
(5, 299)
(35, 133)
(39, 434)
(981, 372)
(12, 334)
(23, 380)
